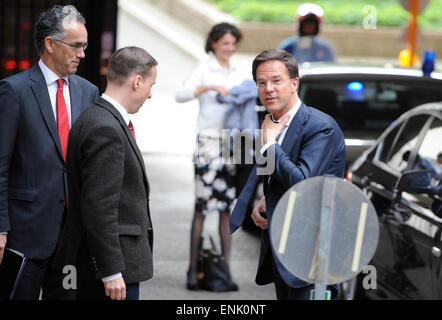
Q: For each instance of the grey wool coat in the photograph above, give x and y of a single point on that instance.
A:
(108, 206)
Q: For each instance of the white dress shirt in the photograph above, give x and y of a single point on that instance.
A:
(119, 107)
(51, 81)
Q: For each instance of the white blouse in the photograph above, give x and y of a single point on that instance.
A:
(211, 113)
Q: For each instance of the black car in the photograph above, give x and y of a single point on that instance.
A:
(365, 100)
(401, 176)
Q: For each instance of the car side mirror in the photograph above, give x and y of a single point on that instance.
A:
(415, 181)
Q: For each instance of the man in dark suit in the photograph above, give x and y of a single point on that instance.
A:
(37, 108)
(304, 143)
(108, 231)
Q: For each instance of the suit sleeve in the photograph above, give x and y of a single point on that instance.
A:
(317, 153)
(9, 118)
(102, 178)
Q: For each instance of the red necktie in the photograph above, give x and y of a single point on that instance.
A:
(131, 127)
(62, 118)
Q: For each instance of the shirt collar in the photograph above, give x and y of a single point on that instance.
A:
(215, 66)
(119, 107)
(292, 112)
(49, 75)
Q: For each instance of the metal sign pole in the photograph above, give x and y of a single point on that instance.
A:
(321, 257)
(324, 230)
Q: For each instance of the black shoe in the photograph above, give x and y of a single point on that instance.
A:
(232, 287)
(191, 286)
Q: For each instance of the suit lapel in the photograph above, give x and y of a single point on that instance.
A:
(293, 133)
(100, 101)
(75, 92)
(295, 129)
(41, 93)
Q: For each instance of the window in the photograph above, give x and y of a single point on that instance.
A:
(430, 148)
(405, 144)
(386, 144)
(367, 102)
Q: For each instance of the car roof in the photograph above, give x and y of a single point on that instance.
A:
(322, 68)
(432, 106)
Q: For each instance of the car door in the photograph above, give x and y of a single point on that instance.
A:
(424, 209)
(402, 257)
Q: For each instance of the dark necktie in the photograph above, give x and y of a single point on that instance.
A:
(240, 210)
(62, 118)
(131, 128)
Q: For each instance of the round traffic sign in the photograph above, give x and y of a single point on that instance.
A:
(324, 223)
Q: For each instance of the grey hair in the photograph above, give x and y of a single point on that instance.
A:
(128, 61)
(53, 23)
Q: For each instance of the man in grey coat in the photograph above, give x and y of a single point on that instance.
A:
(108, 231)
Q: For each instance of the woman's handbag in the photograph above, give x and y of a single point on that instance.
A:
(212, 270)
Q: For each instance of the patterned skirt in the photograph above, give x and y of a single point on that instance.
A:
(214, 177)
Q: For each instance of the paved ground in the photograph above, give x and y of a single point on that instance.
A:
(171, 179)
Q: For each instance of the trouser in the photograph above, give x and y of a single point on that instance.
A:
(39, 276)
(285, 292)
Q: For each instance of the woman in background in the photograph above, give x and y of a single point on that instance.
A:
(214, 177)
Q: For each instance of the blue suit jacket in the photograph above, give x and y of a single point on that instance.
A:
(313, 145)
(32, 170)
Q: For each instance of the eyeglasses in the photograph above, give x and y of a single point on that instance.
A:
(75, 46)
(275, 83)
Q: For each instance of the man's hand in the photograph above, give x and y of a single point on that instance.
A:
(3, 239)
(116, 289)
(270, 129)
(257, 212)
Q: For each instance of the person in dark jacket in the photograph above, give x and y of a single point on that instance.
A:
(304, 143)
(108, 232)
(37, 109)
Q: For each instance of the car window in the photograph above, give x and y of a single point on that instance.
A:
(386, 145)
(431, 146)
(405, 143)
(358, 103)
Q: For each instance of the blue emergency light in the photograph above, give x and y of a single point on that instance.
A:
(355, 86)
(428, 64)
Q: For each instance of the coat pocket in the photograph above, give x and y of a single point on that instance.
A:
(129, 230)
(22, 194)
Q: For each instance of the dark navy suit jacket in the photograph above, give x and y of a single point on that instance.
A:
(32, 170)
(313, 145)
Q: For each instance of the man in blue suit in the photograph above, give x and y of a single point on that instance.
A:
(304, 143)
(37, 109)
